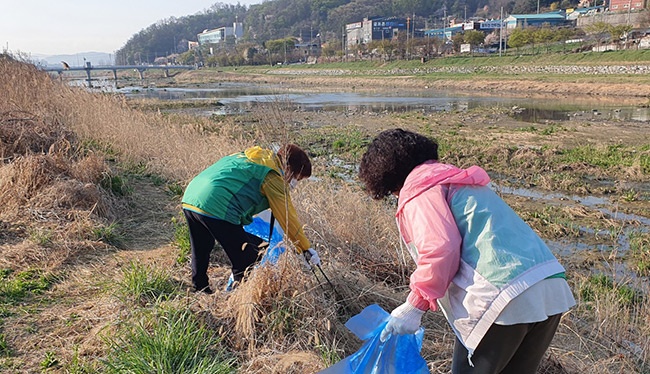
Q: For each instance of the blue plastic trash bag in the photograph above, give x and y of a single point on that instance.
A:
(261, 227)
(399, 354)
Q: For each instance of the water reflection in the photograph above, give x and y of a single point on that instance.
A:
(535, 114)
(600, 204)
(243, 97)
(628, 225)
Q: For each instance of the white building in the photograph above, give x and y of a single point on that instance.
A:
(216, 36)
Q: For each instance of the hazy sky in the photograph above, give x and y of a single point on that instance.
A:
(49, 27)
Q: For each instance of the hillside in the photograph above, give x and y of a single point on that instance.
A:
(277, 19)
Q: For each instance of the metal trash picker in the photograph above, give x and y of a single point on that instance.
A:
(311, 267)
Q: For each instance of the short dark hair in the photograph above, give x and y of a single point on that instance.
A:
(390, 157)
(295, 161)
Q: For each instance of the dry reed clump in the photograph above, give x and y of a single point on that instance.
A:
(21, 133)
(176, 147)
(280, 316)
(25, 89)
(277, 305)
(638, 171)
(349, 226)
(55, 181)
(601, 333)
(54, 210)
(49, 186)
(527, 158)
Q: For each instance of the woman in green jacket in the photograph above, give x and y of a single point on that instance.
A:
(223, 198)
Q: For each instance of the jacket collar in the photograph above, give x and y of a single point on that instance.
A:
(432, 173)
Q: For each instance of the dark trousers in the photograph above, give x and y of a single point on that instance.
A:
(512, 349)
(240, 247)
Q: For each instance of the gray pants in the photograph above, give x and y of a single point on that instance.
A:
(512, 349)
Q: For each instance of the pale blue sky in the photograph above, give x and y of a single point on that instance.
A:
(49, 27)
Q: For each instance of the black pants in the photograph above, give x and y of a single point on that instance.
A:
(240, 247)
(513, 349)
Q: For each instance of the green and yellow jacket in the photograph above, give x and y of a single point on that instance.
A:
(240, 185)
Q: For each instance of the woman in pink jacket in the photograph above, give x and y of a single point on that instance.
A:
(499, 286)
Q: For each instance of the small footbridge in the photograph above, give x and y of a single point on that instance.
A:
(89, 68)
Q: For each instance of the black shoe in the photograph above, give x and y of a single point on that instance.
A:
(205, 289)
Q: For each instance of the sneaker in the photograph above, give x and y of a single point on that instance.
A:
(206, 290)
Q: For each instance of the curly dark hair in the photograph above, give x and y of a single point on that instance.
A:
(391, 156)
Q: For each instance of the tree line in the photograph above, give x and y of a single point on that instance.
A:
(307, 19)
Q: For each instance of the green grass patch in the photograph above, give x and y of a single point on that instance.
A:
(640, 252)
(4, 346)
(42, 237)
(350, 142)
(49, 361)
(175, 189)
(611, 156)
(182, 239)
(552, 222)
(109, 234)
(600, 285)
(116, 185)
(105, 148)
(17, 286)
(328, 355)
(4, 312)
(167, 341)
(145, 284)
(77, 366)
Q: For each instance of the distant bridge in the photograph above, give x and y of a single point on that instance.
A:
(139, 68)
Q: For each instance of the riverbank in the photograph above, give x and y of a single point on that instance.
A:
(94, 254)
(613, 84)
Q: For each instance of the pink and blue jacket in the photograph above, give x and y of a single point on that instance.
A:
(473, 253)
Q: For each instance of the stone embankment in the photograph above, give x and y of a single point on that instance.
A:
(520, 69)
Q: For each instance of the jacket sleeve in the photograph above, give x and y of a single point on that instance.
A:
(430, 225)
(285, 214)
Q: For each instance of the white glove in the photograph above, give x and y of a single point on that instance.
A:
(405, 319)
(312, 257)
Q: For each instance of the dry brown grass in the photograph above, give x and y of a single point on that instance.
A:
(150, 138)
(49, 191)
(282, 320)
(351, 228)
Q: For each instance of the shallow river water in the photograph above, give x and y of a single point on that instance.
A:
(238, 97)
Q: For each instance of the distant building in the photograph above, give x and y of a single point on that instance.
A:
(625, 5)
(216, 36)
(445, 33)
(312, 48)
(572, 14)
(375, 29)
(557, 18)
(472, 25)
